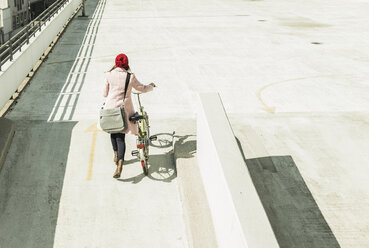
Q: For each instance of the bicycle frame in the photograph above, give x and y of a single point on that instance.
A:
(143, 138)
(141, 129)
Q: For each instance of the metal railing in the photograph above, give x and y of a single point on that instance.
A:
(14, 44)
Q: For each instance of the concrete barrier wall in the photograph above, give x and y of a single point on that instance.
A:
(14, 72)
(237, 212)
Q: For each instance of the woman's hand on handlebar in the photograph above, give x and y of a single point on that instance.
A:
(152, 84)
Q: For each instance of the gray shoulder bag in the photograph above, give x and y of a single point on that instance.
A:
(114, 120)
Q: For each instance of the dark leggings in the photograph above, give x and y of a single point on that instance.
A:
(119, 144)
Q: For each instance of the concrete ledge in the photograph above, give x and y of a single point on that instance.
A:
(7, 129)
(237, 212)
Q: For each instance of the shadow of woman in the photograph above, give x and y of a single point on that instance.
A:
(135, 179)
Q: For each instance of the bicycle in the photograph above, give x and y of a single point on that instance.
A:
(143, 137)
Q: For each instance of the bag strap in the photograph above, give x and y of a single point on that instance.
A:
(126, 86)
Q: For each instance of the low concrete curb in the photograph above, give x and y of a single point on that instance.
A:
(7, 129)
(237, 212)
(199, 225)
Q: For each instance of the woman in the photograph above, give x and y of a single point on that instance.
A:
(114, 93)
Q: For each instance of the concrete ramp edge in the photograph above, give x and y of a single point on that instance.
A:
(237, 212)
(7, 129)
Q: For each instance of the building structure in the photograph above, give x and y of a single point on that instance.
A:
(15, 14)
(5, 21)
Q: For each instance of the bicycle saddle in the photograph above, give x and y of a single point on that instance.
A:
(136, 117)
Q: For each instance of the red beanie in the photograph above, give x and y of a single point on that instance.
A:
(121, 61)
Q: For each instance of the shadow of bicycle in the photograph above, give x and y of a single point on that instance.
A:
(162, 167)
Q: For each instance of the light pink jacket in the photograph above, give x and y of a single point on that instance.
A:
(114, 93)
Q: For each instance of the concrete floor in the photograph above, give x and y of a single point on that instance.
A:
(292, 76)
(56, 186)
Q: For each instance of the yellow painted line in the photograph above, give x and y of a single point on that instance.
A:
(92, 155)
(93, 128)
(271, 109)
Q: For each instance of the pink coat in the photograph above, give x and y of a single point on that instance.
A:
(114, 92)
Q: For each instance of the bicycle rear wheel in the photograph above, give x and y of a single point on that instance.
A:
(145, 139)
(147, 134)
(145, 167)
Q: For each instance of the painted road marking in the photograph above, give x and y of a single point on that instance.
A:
(93, 128)
(271, 109)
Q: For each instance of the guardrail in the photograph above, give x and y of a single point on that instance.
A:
(46, 30)
(14, 44)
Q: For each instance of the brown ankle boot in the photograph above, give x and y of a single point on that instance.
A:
(116, 158)
(118, 171)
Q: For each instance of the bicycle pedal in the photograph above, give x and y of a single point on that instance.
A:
(134, 153)
(153, 138)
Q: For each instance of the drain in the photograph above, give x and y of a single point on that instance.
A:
(316, 43)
